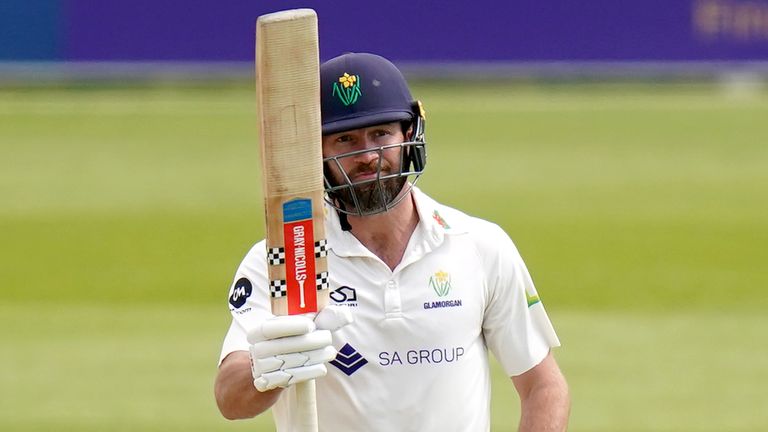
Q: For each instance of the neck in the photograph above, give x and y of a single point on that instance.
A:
(387, 234)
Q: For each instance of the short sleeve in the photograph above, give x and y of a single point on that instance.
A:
(516, 326)
(248, 299)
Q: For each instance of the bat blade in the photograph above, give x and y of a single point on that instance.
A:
(288, 79)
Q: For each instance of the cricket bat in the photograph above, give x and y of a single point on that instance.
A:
(288, 90)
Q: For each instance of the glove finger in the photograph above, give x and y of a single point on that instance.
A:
(306, 373)
(281, 326)
(289, 361)
(319, 356)
(264, 365)
(284, 378)
(333, 317)
(292, 344)
(271, 380)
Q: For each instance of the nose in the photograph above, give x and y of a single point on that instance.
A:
(370, 158)
(371, 154)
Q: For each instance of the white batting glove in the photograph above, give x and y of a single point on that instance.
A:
(286, 350)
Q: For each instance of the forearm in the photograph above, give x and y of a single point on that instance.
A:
(546, 409)
(236, 396)
(544, 398)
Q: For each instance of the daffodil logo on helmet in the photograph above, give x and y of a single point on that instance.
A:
(347, 89)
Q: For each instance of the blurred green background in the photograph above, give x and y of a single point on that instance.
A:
(640, 209)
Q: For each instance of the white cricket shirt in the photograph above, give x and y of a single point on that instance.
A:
(415, 358)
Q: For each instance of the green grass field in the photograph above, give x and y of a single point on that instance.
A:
(640, 211)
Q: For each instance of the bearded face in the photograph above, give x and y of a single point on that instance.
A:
(369, 190)
(367, 169)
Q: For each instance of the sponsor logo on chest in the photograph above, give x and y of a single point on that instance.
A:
(424, 356)
(348, 360)
(344, 295)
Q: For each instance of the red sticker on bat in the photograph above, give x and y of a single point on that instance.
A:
(299, 238)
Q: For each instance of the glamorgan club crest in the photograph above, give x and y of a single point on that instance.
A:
(347, 89)
(441, 283)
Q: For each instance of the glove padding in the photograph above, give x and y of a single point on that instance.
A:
(286, 350)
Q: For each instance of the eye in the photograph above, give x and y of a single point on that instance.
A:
(344, 139)
(378, 133)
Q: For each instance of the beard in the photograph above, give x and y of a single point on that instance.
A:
(369, 196)
(373, 197)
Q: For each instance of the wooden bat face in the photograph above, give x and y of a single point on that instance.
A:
(288, 85)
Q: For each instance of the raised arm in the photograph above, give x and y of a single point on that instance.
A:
(284, 350)
(236, 395)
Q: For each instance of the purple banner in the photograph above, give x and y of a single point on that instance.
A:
(428, 30)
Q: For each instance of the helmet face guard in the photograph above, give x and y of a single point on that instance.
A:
(379, 194)
(360, 90)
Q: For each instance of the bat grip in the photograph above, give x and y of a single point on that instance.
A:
(306, 407)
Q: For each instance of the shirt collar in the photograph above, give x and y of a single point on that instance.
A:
(433, 226)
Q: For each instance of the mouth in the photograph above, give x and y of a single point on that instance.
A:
(363, 176)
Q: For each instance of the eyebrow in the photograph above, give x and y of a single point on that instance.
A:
(386, 126)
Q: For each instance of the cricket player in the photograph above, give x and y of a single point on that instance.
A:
(420, 292)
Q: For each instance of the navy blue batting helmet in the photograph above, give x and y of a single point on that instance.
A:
(360, 90)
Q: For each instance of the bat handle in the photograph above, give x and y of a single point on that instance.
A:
(306, 407)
